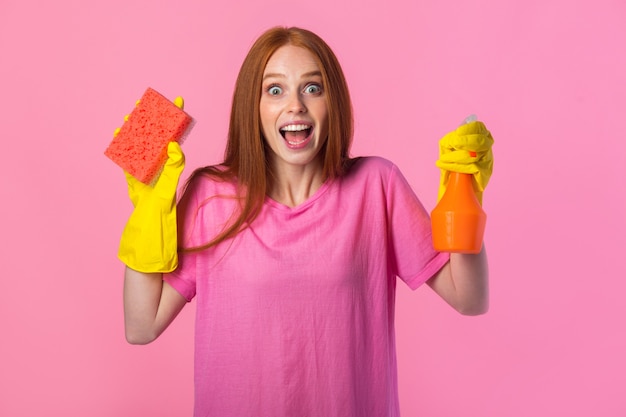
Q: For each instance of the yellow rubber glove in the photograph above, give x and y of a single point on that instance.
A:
(149, 240)
(466, 150)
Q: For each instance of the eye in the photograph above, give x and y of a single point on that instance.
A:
(313, 89)
(274, 90)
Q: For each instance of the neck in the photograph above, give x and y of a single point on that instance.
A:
(293, 185)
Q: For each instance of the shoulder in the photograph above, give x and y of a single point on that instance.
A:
(376, 173)
(208, 200)
(203, 186)
(209, 181)
(371, 167)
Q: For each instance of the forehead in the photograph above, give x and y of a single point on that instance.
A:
(290, 59)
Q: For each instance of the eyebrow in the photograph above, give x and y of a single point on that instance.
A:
(305, 75)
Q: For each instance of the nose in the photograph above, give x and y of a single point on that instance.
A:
(296, 104)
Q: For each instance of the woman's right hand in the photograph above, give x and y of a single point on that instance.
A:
(149, 240)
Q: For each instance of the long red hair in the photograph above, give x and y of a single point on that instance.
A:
(245, 157)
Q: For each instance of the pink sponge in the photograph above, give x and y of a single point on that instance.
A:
(140, 147)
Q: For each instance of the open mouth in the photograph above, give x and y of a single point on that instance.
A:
(296, 134)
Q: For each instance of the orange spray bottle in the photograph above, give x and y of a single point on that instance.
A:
(458, 221)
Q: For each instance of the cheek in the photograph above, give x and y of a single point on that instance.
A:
(324, 123)
(267, 119)
(323, 112)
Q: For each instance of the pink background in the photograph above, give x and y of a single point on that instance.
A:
(547, 76)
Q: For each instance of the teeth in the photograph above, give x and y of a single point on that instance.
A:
(294, 128)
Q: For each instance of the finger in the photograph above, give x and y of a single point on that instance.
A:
(175, 155)
(461, 168)
(469, 142)
(483, 162)
(459, 157)
(474, 142)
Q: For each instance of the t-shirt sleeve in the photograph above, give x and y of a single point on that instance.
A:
(413, 257)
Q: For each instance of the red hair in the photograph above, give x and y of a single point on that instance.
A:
(245, 157)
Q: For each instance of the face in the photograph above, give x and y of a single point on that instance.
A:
(293, 109)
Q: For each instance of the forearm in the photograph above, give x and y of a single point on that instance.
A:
(142, 296)
(470, 277)
(464, 283)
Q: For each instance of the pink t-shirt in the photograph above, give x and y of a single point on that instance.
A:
(295, 315)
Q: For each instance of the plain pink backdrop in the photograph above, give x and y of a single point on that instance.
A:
(547, 76)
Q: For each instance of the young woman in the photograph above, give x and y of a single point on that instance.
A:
(292, 250)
